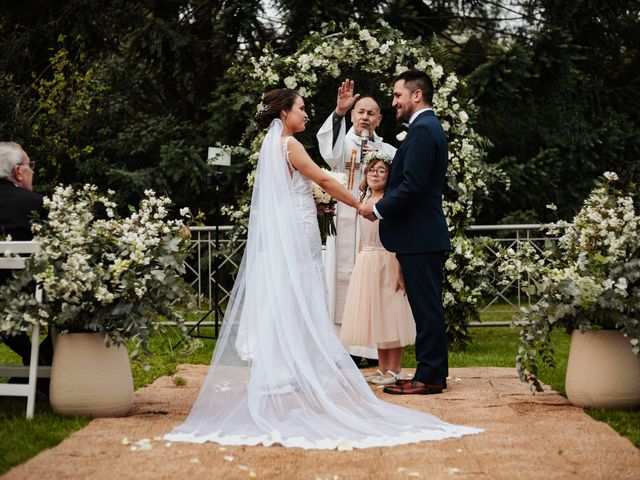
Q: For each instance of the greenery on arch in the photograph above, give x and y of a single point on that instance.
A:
(372, 58)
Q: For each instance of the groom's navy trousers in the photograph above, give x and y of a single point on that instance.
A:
(413, 226)
(423, 276)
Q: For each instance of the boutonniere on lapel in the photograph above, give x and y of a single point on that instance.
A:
(403, 134)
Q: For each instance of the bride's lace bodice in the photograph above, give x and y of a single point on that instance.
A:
(306, 206)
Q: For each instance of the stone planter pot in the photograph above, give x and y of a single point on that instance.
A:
(602, 371)
(90, 379)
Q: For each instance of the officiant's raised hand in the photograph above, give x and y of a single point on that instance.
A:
(346, 98)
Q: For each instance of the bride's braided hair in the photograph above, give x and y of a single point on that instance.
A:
(273, 102)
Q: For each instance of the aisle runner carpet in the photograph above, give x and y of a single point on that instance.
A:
(527, 437)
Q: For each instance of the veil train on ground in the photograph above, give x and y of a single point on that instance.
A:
(279, 374)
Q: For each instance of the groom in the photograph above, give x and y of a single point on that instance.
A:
(413, 226)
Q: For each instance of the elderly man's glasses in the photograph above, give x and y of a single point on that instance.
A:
(378, 171)
(31, 165)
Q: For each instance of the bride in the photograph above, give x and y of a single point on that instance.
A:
(279, 374)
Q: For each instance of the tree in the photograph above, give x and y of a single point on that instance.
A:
(562, 105)
(118, 93)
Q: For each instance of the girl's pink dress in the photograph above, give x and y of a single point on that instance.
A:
(374, 313)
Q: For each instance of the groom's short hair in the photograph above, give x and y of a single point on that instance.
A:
(417, 80)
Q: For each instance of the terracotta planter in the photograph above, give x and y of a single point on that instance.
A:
(602, 371)
(90, 379)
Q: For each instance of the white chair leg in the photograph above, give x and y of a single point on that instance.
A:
(33, 370)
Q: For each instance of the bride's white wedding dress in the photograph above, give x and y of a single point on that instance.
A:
(279, 374)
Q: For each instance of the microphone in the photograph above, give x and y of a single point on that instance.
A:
(364, 140)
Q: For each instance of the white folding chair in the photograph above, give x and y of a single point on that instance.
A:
(33, 371)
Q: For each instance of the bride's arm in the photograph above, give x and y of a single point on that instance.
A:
(307, 167)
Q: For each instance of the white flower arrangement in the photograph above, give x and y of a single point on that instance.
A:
(324, 55)
(591, 281)
(375, 156)
(100, 272)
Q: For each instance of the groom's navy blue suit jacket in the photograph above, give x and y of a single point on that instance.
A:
(413, 220)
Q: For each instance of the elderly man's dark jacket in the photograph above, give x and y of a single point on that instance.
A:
(17, 208)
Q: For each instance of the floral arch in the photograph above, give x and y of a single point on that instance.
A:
(377, 55)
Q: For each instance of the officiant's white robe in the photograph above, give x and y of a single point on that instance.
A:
(341, 251)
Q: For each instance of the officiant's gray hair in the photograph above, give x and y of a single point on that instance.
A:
(417, 80)
(273, 102)
(362, 97)
(10, 155)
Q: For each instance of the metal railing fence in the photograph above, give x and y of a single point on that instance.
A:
(215, 259)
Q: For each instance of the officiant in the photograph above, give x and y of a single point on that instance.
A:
(343, 151)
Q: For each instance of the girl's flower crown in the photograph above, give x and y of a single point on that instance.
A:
(377, 155)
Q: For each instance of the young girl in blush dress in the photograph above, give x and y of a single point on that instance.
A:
(376, 309)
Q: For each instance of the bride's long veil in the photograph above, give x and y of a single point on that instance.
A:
(279, 374)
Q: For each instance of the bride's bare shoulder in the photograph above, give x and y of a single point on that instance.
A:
(292, 141)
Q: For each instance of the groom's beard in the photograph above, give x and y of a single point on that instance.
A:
(405, 115)
(403, 118)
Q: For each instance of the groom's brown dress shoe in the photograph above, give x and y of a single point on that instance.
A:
(409, 380)
(414, 387)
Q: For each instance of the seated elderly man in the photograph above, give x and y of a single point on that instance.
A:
(18, 204)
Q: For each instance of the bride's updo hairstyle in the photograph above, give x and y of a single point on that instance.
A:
(273, 102)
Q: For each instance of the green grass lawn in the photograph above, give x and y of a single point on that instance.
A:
(21, 439)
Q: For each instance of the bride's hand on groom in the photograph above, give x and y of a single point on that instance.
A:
(367, 212)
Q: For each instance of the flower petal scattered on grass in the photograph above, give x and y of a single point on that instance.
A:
(126, 441)
(453, 470)
(194, 460)
(228, 458)
(244, 468)
(345, 446)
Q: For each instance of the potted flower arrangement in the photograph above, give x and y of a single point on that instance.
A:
(590, 285)
(106, 280)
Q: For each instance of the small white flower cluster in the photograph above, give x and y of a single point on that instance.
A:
(322, 197)
(375, 156)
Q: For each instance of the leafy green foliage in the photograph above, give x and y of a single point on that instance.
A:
(561, 104)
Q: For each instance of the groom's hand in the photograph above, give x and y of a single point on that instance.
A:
(346, 98)
(367, 212)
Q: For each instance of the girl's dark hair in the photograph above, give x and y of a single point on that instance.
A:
(273, 102)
